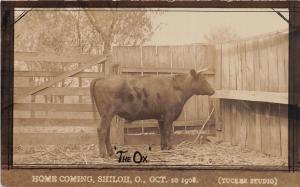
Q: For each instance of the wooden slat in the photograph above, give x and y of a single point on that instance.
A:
(175, 124)
(264, 64)
(54, 107)
(164, 57)
(275, 141)
(284, 126)
(53, 122)
(66, 91)
(149, 56)
(227, 125)
(234, 124)
(225, 66)
(270, 97)
(160, 70)
(282, 54)
(242, 133)
(248, 68)
(258, 131)
(54, 74)
(273, 66)
(251, 128)
(265, 129)
(54, 114)
(60, 78)
(51, 57)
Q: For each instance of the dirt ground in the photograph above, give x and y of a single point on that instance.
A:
(185, 153)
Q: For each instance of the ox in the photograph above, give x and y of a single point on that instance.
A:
(160, 98)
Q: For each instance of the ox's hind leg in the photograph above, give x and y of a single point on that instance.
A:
(107, 143)
(102, 134)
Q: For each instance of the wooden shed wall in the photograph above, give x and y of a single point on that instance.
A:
(259, 64)
(168, 60)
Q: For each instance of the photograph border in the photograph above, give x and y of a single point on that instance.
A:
(7, 76)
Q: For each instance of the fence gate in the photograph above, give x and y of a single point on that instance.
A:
(52, 99)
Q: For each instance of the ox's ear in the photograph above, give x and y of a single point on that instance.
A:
(193, 73)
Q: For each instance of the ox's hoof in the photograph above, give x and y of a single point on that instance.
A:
(103, 155)
(166, 147)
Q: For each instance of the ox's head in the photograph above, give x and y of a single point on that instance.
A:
(199, 84)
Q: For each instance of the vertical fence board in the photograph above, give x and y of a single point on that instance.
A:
(283, 118)
(227, 125)
(265, 128)
(149, 56)
(225, 66)
(263, 64)
(275, 144)
(258, 133)
(164, 57)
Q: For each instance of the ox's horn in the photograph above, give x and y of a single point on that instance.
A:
(202, 70)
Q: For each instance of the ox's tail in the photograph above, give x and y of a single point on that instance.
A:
(94, 103)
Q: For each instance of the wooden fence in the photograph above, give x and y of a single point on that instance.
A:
(252, 78)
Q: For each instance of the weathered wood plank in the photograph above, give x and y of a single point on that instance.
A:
(160, 70)
(282, 56)
(284, 126)
(265, 129)
(264, 64)
(51, 57)
(149, 56)
(248, 68)
(164, 57)
(256, 63)
(227, 125)
(275, 146)
(53, 122)
(54, 74)
(218, 84)
(251, 127)
(273, 65)
(240, 118)
(234, 124)
(258, 132)
(66, 91)
(54, 107)
(225, 66)
(270, 97)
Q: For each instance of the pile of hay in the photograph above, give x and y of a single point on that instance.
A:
(185, 153)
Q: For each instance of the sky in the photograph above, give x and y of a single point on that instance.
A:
(187, 26)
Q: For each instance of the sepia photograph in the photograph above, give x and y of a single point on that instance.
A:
(161, 87)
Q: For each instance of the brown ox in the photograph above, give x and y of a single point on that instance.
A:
(160, 98)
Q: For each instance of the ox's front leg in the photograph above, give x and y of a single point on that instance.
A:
(102, 134)
(166, 132)
(162, 133)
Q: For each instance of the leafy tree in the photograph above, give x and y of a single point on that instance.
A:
(121, 27)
